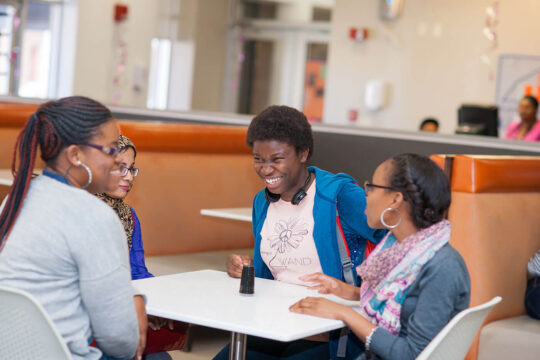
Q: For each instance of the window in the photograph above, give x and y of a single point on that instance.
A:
(36, 51)
(7, 13)
(30, 40)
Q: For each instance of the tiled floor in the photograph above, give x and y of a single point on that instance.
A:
(205, 342)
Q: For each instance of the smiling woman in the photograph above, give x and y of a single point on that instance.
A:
(172, 332)
(60, 243)
(294, 220)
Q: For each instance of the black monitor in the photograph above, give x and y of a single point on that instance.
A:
(478, 120)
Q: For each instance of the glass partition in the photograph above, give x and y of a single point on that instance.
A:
(341, 62)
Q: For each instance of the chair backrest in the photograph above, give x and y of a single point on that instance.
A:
(454, 340)
(26, 331)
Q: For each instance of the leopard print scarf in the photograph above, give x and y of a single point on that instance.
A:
(124, 213)
(119, 206)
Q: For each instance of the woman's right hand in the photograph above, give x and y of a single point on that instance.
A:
(325, 284)
(235, 263)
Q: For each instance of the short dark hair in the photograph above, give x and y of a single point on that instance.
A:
(424, 186)
(282, 123)
(429, 121)
(533, 101)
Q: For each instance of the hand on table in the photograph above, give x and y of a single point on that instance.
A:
(235, 263)
(321, 307)
(143, 325)
(325, 284)
(155, 323)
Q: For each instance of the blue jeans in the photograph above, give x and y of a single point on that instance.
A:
(156, 356)
(532, 298)
(265, 349)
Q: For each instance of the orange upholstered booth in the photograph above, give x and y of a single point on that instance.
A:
(12, 119)
(495, 215)
(183, 169)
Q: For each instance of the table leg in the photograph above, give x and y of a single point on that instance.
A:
(238, 346)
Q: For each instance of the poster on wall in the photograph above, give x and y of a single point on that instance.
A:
(517, 75)
(314, 90)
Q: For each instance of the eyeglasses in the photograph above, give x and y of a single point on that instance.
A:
(369, 186)
(109, 150)
(124, 171)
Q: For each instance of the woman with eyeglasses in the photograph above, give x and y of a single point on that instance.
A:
(414, 282)
(62, 244)
(128, 217)
(176, 332)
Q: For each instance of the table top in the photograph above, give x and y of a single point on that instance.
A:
(242, 214)
(211, 298)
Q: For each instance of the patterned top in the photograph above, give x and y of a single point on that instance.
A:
(123, 211)
(534, 265)
(392, 268)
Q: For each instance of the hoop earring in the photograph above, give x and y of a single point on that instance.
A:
(89, 174)
(384, 223)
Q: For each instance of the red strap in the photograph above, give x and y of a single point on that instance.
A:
(133, 217)
(369, 247)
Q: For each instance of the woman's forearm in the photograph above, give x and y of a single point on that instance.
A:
(351, 292)
(356, 322)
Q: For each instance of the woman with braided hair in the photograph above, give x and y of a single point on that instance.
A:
(414, 282)
(62, 244)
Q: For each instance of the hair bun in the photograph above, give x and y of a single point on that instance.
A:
(430, 215)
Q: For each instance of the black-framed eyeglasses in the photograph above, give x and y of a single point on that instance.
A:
(124, 171)
(369, 186)
(109, 150)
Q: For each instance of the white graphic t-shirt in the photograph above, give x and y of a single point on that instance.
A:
(287, 244)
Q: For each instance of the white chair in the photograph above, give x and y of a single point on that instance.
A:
(454, 340)
(26, 331)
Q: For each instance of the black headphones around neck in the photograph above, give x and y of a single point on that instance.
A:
(297, 197)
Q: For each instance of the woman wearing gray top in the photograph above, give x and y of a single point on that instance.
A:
(414, 282)
(63, 245)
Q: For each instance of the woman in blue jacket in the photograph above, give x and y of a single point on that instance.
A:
(296, 220)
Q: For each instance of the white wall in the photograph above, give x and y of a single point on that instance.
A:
(210, 36)
(429, 74)
(95, 49)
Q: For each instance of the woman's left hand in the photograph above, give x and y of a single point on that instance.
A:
(319, 307)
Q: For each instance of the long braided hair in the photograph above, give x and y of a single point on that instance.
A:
(424, 186)
(54, 126)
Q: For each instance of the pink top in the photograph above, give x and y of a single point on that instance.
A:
(512, 132)
(287, 245)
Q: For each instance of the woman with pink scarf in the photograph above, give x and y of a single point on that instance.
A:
(414, 282)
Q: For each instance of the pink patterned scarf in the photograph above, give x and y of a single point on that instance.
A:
(391, 269)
